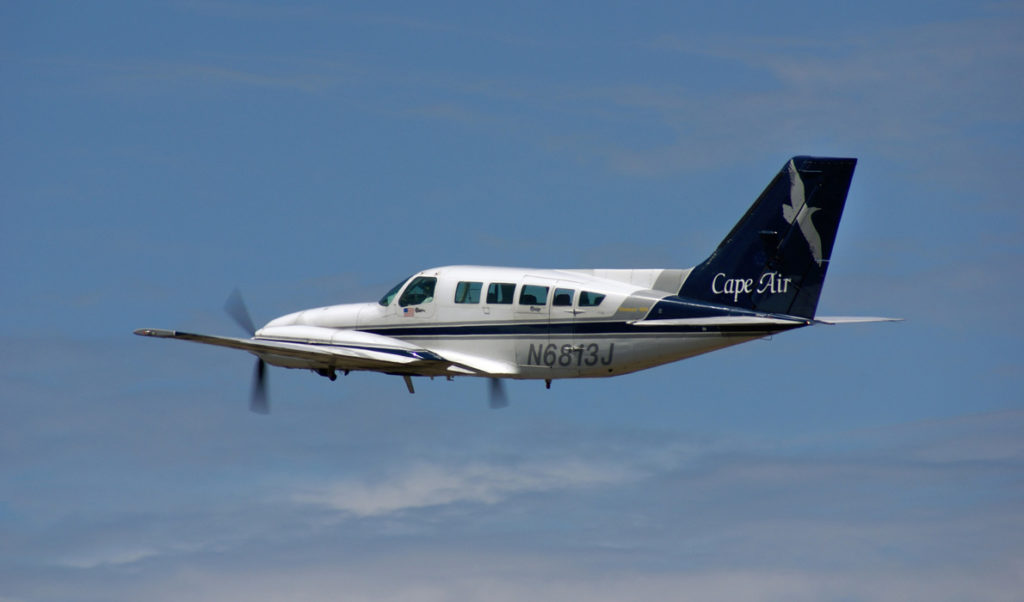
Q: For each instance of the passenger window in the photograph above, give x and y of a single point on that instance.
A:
(563, 297)
(420, 290)
(500, 293)
(533, 295)
(468, 292)
(589, 299)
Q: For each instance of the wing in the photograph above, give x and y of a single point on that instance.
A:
(322, 348)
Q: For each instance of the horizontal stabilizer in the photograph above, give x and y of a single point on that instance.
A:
(831, 320)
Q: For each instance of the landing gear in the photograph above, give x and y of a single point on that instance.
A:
(328, 373)
(547, 383)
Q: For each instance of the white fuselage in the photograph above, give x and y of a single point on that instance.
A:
(522, 323)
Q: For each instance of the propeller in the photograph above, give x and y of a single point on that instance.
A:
(498, 397)
(258, 402)
(235, 306)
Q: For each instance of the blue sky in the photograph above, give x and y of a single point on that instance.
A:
(157, 155)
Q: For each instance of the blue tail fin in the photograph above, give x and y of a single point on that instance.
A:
(775, 258)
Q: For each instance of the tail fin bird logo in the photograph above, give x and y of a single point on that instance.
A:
(798, 211)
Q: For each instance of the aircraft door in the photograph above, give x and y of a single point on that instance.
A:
(545, 315)
(562, 329)
(562, 316)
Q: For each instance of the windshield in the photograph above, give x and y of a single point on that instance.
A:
(386, 299)
(420, 290)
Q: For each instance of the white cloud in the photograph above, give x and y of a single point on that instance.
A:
(468, 576)
(427, 484)
(108, 557)
(675, 520)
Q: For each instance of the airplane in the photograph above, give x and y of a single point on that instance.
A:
(765, 277)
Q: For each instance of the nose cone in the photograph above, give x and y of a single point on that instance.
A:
(333, 316)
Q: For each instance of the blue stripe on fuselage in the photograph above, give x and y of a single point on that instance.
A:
(569, 328)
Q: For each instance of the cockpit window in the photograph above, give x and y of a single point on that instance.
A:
(386, 299)
(589, 299)
(420, 290)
